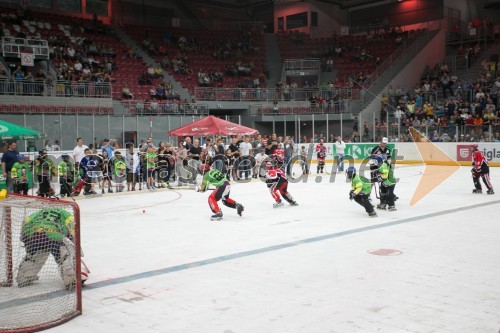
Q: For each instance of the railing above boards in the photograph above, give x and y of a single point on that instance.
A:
(301, 64)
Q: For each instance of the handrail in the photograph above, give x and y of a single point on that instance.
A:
(271, 94)
(50, 88)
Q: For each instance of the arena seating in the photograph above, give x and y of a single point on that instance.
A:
(204, 53)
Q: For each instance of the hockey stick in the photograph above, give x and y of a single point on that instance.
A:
(376, 190)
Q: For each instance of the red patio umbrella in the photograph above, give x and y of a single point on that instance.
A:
(212, 126)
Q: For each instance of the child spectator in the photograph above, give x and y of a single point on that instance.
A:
(133, 167)
(150, 166)
(120, 168)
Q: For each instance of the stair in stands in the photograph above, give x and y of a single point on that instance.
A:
(184, 93)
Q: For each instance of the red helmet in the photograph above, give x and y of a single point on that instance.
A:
(474, 146)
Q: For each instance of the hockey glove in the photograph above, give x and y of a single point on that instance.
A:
(476, 172)
(351, 195)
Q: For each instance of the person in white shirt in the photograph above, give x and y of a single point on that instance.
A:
(340, 149)
(245, 164)
(259, 158)
(79, 150)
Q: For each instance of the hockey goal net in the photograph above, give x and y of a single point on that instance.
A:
(40, 282)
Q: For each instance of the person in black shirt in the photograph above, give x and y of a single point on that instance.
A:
(233, 154)
(272, 145)
(194, 153)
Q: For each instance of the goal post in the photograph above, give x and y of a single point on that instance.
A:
(40, 263)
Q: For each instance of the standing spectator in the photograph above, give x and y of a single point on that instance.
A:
(56, 146)
(107, 170)
(107, 146)
(194, 153)
(303, 159)
(245, 148)
(10, 157)
(120, 168)
(48, 145)
(79, 150)
(232, 153)
(150, 167)
(259, 158)
(288, 154)
(132, 161)
(272, 144)
(145, 145)
(340, 149)
(31, 147)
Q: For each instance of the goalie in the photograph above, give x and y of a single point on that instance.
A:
(48, 231)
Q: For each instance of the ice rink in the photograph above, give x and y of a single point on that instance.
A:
(323, 266)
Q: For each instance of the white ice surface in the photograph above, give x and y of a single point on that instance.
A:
(446, 280)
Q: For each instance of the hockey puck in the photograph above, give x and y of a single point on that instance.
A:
(143, 210)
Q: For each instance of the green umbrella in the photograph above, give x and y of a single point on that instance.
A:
(10, 131)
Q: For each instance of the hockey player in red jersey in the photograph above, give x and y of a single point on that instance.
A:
(278, 183)
(321, 154)
(480, 169)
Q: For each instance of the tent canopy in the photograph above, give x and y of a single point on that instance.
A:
(9, 131)
(212, 126)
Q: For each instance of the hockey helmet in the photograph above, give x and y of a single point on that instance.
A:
(64, 155)
(350, 173)
(474, 146)
(269, 165)
(21, 157)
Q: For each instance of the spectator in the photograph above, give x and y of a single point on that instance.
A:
(289, 148)
(79, 150)
(340, 149)
(119, 169)
(126, 92)
(107, 147)
(245, 148)
(56, 146)
(10, 157)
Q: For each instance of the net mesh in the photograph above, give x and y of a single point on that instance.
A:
(39, 284)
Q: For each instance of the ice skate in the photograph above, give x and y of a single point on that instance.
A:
(372, 214)
(294, 203)
(392, 208)
(278, 204)
(382, 206)
(490, 191)
(216, 216)
(239, 209)
(477, 191)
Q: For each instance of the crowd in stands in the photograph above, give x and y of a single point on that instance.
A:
(447, 107)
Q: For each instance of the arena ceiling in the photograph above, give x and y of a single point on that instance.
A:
(241, 4)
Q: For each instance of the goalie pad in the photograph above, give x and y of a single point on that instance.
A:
(66, 263)
(30, 267)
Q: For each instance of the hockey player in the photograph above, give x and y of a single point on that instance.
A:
(45, 169)
(223, 187)
(48, 231)
(383, 151)
(480, 169)
(360, 190)
(87, 165)
(66, 170)
(321, 154)
(278, 184)
(19, 175)
(387, 183)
